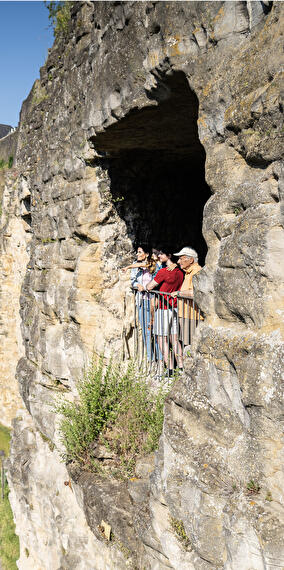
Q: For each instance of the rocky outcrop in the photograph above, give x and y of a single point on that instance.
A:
(130, 108)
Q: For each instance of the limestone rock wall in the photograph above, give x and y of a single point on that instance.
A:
(13, 261)
(222, 426)
(52, 526)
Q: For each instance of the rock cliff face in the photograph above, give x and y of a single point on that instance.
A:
(145, 114)
(13, 261)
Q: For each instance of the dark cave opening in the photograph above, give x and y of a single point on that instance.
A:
(156, 167)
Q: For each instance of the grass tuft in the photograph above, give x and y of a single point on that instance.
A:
(252, 488)
(179, 530)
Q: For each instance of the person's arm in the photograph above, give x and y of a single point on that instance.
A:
(159, 278)
(180, 293)
(134, 266)
(151, 285)
(188, 294)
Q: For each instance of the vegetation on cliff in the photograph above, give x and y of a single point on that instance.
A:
(116, 419)
(9, 542)
(4, 439)
(8, 164)
(59, 14)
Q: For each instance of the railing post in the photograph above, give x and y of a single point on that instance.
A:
(193, 318)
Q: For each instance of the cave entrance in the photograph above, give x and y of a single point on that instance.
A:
(156, 167)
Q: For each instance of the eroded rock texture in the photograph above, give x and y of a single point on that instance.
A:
(14, 238)
(143, 114)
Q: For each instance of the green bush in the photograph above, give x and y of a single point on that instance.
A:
(116, 409)
(59, 14)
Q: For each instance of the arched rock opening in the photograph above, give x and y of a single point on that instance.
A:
(156, 167)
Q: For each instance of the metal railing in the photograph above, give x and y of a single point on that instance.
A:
(163, 326)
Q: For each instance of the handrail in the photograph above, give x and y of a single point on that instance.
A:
(163, 326)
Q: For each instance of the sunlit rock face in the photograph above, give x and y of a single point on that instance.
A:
(13, 260)
(145, 114)
(49, 516)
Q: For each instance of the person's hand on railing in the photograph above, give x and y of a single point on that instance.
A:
(188, 294)
(174, 293)
(140, 288)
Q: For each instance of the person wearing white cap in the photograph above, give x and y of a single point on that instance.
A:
(188, 262)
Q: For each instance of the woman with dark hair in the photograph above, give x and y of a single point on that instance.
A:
(152, 263)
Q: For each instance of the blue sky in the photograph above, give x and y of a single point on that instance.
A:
(24, 40)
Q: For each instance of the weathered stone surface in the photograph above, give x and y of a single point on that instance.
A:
(48, 508)
(224, 410)
(13, 260)
(111, 151)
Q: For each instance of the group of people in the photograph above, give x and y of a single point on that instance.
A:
(165, 321)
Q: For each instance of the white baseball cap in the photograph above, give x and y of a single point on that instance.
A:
(188, 251)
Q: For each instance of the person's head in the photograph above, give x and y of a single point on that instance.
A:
(143, 252)
(155, 253)
(165, 255)
(186, 257)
